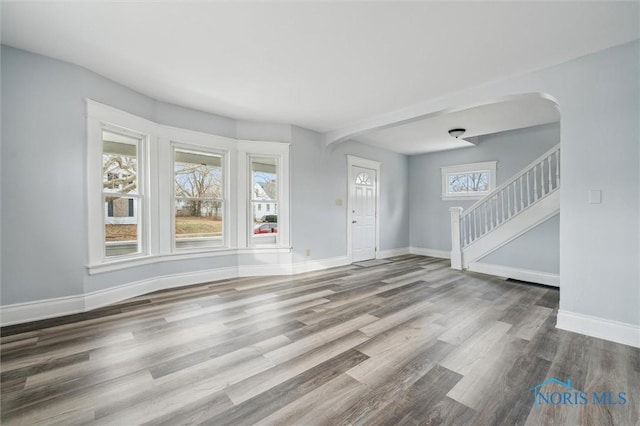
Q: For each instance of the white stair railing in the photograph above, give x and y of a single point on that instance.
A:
(533, 183)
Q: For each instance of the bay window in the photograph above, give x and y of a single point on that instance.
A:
(157, 192)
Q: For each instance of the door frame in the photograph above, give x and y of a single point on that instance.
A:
(353, 160)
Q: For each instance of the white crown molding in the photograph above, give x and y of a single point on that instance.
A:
(614, 331)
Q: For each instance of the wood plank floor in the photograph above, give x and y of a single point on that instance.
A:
(408, 341)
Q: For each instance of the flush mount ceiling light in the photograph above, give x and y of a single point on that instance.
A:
(456, 133)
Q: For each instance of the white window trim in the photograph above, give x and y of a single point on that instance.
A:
(174, 137)
(101, 117)
(246, 150)
(251, 241)
(226, 210)
(158, 196)
(488, 166)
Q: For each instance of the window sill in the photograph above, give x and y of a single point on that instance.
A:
(115, 265)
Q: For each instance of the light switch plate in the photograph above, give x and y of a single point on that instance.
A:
(339, 202)
(595, 196)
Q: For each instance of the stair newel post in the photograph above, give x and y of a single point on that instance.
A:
(456, 250)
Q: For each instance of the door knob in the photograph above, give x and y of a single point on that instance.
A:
(354, 221)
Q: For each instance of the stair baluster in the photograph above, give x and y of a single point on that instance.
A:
(492, 211)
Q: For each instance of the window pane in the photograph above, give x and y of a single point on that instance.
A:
(198, 223)
(458, 183)
(198, 175)
(264, 200)
(264, 178)
(119, 163)
(468, 182)
(481, 182)
(121, 226)
(265, 224)
(364, 179)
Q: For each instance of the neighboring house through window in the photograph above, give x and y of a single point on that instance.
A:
(264, 174)
(122, 194)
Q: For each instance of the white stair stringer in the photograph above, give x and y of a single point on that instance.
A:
(517, 225)
(527, 199)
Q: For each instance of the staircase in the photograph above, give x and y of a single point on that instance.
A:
(518, 205)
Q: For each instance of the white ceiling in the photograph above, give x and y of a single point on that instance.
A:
(320, 65)
(432, 133)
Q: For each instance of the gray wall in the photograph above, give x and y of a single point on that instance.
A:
(536, 250)
(44, 244)
(598, 97)
(317, 220)
(600, 243)
(43, 216)
(43, 149)
(513, 150)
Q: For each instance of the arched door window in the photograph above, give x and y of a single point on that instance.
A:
(363, 178)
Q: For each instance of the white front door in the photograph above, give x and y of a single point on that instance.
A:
(363, 213)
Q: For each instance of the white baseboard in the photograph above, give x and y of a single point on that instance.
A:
(96, 299)
(50, 308)
(383, 254)
(265, 269)
(614, 331)
(41, 309)
(538, 277)
(317, 265)
(442, 254)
